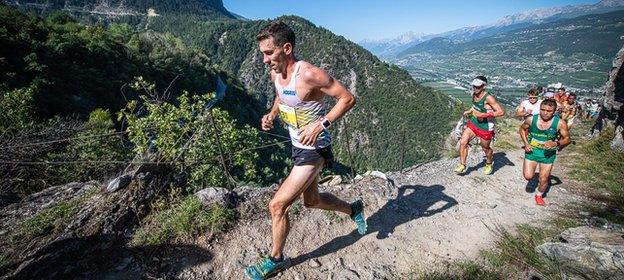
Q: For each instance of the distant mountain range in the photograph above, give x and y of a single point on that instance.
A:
(597, 34)
(576, 52)
(385, 47)
(391, 47)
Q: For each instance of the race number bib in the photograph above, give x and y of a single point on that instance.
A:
(288, 115)
(539, 144)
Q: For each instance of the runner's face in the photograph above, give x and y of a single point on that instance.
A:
(571, 99)
(274, 56)
(547, 112)
(533, 99)
(477, 90)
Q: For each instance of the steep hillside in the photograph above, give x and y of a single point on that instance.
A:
(91, 10)
(56, 73)
(389, 101)
(77, 68)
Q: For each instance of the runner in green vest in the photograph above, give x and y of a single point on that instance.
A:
(539, 134)
(480, 124)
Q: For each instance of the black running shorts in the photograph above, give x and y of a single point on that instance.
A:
(306, 157)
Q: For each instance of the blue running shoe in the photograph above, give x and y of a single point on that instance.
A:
(357, 209)
(266, 268)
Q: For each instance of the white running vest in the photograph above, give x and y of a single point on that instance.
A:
(297, 113)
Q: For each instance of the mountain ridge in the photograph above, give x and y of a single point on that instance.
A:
(572, 51)
(104, 9)
(389, 48)
(230, 45)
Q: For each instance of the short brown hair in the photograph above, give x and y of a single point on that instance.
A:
(550, 102)
(533, 92)
(280, 32)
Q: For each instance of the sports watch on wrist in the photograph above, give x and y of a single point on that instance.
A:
(325, 122)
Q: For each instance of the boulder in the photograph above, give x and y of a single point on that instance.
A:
(119, 183)
(215, 197)
(330, 181)
(588, 253)
(587, 235)
(90, 239)
(376, 174)
(612, 112)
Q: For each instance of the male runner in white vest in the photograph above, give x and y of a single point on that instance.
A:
(300, 88)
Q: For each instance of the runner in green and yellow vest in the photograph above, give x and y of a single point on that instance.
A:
(480, 124)
(539, 134)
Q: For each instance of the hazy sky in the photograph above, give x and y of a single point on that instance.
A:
(368, 19)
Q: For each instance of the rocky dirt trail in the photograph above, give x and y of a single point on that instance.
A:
(418, 219)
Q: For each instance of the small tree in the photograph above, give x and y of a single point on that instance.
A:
(17, 108)
(97, 151)
(195, 139)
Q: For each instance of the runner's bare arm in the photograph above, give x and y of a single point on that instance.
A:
(524, 133)
(498, 109)
(573, 111)
(317, 78)
(567, 113)
(565, 135)
(267, 120)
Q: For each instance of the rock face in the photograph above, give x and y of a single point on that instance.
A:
(80, 227)
(588, 253)
(613, 101)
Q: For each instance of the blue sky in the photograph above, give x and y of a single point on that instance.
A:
(368, 19)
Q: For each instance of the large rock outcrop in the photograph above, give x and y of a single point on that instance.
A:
(613, 103)
(78, 229)
(588, 253)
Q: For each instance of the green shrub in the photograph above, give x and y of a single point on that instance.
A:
(192, 138)
(602, 167)
(95, 152)
(17, 108)
(55, 216)
(184, 219)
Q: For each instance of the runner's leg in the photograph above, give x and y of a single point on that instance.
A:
(295, 184)
(467, 135)
(489, 152)
(326, 201)
(544, 174)
(528, 169)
